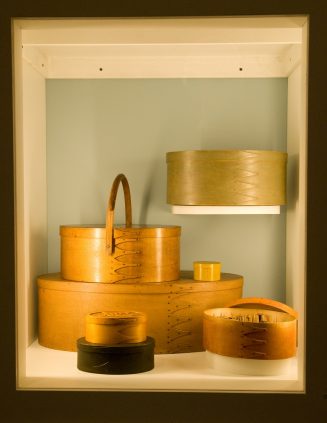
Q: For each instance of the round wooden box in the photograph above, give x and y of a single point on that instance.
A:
(226, 178)
(129, 253)
(251, 328)
(140, 254)
(119, 359)
(115, 342)
(174, 310)
(115, 327)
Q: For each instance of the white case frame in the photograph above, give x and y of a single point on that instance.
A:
(247, 47)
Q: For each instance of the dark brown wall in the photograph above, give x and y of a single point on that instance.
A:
(48, 407)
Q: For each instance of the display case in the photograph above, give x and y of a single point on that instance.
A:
(62, 172)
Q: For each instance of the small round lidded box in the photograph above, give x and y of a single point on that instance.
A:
(115, 327)
(115, 342)
(207, 270)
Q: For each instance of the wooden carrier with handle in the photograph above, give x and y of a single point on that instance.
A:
(253, 328)
(173, 309)
(120, 254)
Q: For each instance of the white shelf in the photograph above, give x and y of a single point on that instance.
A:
(225, 209)
(165, 48)
(52, 369)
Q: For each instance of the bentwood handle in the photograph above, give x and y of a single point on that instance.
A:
(111, 209)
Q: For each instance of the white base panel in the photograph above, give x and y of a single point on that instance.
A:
(222, 365)
(48, 369)
(225, 209)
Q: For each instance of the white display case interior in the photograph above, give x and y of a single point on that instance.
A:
(48, 54)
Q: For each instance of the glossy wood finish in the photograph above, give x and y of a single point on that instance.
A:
(174, 309)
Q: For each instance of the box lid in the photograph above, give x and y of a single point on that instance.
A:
(98, 231)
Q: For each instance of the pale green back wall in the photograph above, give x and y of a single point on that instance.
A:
(99, 128)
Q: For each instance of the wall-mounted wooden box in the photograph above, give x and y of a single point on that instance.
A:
(251, 47)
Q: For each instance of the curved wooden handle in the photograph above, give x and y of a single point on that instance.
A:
(263, 303)
(111, 208)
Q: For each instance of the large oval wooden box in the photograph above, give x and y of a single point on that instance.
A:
(141, 253)
(226, 178)
(174, 309)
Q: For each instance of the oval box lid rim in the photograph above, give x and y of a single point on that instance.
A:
(224, 154)
(186, 284)
(132, 348)
(98, 231)
(116, 318)
(210, 315)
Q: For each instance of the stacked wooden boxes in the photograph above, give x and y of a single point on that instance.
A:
(129, 267)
